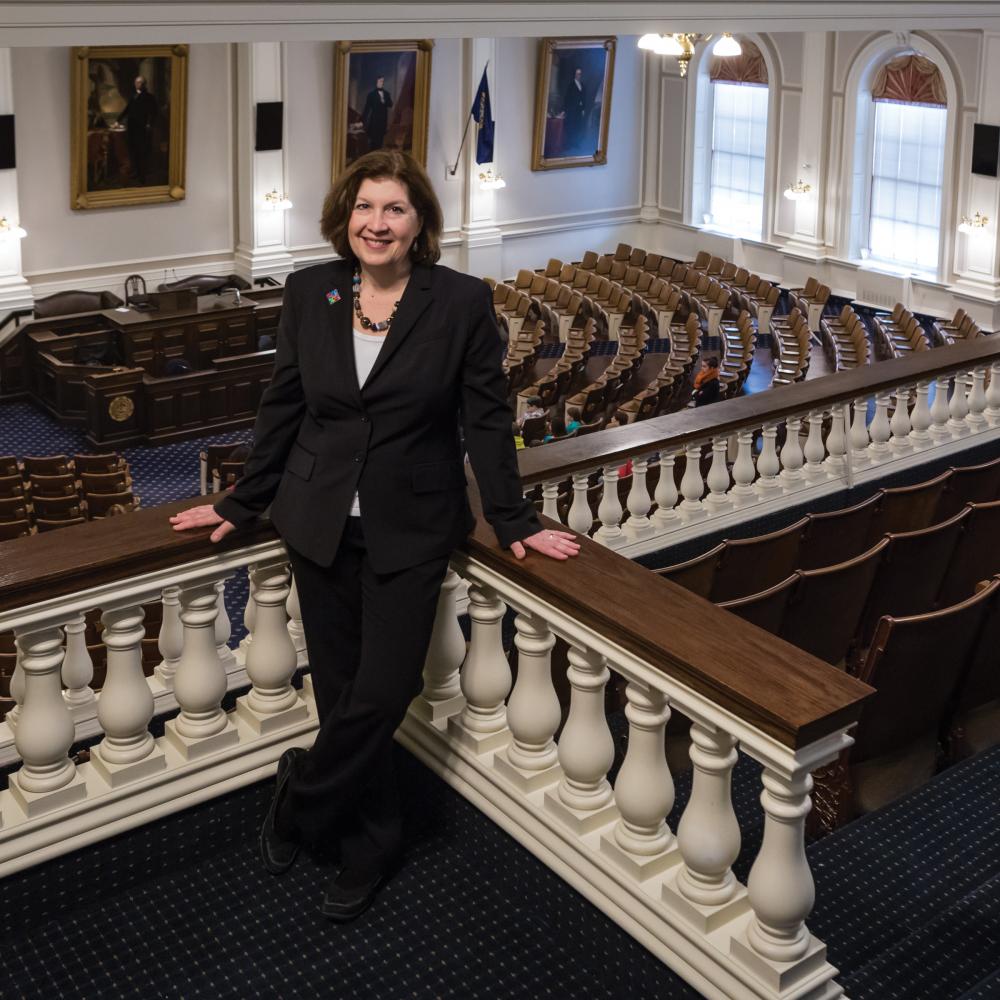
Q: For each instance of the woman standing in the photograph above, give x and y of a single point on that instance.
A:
(383, 357)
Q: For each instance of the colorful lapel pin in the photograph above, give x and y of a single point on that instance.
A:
(333, 296)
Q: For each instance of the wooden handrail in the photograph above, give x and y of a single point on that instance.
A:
(557, 460)
(768, 683)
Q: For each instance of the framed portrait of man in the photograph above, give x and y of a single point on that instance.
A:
(572, 102)
(128, 125)
(381, 92)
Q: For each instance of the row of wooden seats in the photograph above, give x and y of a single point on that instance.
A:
(738, 343)
(750, 291)
(221, 465)
(738, 567)
(559, 380)
(845, 339)
(521, 319)
(791, 344)
(810, 300)
(961, 327)
(899, 333)
(937, 699)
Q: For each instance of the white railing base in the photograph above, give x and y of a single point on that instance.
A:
(433, 710)
(705, 918)
(196, 747)
(781, 976)
(34, 804)
(263, 724)
(526, 781)
(639, 867)
(635, 905)
(117, 775)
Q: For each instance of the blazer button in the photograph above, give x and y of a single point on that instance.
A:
(358, 456)
(364, 418)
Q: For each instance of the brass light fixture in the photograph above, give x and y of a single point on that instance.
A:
(682, 46)
(276, 202)
(10, 231)
(978, 221)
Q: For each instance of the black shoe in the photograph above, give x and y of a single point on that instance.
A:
(349, 893)
(277, 852)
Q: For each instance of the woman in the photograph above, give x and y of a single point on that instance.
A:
(382, 358)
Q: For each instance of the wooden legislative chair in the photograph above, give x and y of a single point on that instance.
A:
(55, 486)
(15, 509)
(99, 463)
(105, 482)
(695, 574)
(45, 524)
(750, 565)
(908, 508)
(13, 486)
(969, 484)
(976, 555)
(98, 504)
(47, 465)
(9, 466)
(59, 508)
(15, 529)
(765, 609)
(837, 535)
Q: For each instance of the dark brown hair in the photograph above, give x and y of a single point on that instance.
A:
(384, 164)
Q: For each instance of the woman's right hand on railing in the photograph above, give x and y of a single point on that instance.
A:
(203, 516)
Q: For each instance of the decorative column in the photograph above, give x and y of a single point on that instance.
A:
(743, 493)
(295, 630)
(717, 500)
(482, 239)
(652, 73)
(878, 450)
(583, 799)
(992, 411)
(705, 889)
(45, 728)
(580, 518)
(609, 511)
(638, 525)
(482, 724)
(15, 292)
(531, 760)
(767, 484)
(271, 659)
(171, 639)
(261, 248)
(665, 517)
(644, 790)
(940, 429)
(200, 681)
(127, 752)
(899, 425)
(814, 450)
(442, 693)
(550, 497)
(791, 456)
(920, 418)
(977, 401)
(958, 407)
(858, 437)
(77, 667)
(836, 442)
(692, 486)
(223, 628)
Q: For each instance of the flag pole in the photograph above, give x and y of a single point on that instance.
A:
(454, 169)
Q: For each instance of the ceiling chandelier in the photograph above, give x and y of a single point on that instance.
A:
(681, 45)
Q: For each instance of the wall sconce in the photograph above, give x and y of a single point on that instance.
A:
(798, 190)
(490, 181)
(9, 231)
(978, 221)
(276, 202)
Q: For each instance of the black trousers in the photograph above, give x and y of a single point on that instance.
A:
(367, 636)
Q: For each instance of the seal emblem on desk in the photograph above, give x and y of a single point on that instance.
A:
(121, 408)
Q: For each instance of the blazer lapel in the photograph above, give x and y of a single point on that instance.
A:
(340, 315)
(416, 298)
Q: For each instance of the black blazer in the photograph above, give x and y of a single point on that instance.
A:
(319, 437)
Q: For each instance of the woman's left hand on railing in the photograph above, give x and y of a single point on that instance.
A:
(203, 516)
(554, 544)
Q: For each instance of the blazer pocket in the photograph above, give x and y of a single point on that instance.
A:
(300, 461)
(432, 477)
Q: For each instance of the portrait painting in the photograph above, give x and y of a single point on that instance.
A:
(572, 102)
(128, 125)
(380, 99)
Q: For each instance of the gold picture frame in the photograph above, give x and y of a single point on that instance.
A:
(573, 102)
(363, 121)
(127, 142)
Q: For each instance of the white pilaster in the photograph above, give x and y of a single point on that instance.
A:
(15, 292)
(261, 247)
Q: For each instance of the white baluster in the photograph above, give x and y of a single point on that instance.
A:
(958, 407)
(170, 641)
(533, 712)
(271, 658)
(993, 395)
(128, 751)
(200, 679)
(639, 504)
(768, 484)
(77, 666)
(45, 727)
(295, 630)
(940, 430)
(442, 693)
(977, 401)
(791, 456)
(717, 501)
(550, 496)
(859, 434)
(899, 425)
(708, 834)
(692, 486)
(743, 493)
(249, 614)
(609, 512)
(223, 627)
(644, 789)
(920, 418)
(814, 451)
(16, 690)
(580, 519)
(486, 677)
(586, 750)
(780, 886)
(665, 517)
(878, 450)
(836, 443)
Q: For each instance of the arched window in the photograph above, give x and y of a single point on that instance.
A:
(738, 142)
(907, 165)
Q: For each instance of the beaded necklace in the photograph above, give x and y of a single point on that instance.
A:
(365, 322)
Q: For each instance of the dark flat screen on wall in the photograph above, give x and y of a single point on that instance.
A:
(985, 149)
(268, 125)
(7, 160)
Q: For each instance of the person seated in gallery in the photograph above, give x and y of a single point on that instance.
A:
(534, 408)
(574, 417)
(707, 387)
